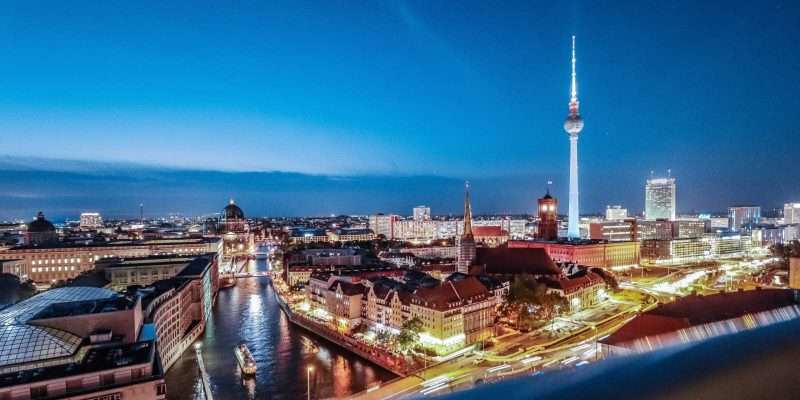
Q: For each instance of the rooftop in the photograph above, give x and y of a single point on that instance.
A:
(118, 243)
(489, 230)
(697, 310)
(21, 342)
(451, 294)
(504, 260)
(96, 359)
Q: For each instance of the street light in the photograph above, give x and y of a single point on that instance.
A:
(308, 379)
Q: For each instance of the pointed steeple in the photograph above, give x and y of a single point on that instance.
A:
(467, 212)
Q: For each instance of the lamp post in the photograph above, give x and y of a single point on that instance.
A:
(308, 380)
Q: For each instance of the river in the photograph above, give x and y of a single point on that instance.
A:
(249, 313)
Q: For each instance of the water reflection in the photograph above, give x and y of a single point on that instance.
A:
(249, 313)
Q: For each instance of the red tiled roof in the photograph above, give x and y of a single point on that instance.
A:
(349, 289)
(451, 294)
(698, 310)
(569, 285)
(504, 260)
(488, 231)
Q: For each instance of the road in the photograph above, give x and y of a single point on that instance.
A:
(545, 352)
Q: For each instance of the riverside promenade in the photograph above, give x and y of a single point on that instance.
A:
(395, 364)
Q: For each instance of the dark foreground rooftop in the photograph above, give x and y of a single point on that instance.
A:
(757, 364)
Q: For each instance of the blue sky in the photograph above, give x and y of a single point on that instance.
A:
(459, 90)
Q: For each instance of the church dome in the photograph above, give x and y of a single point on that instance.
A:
(40, 224)
(232, 211)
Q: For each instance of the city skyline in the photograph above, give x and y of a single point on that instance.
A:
(67, 188)
(348, 115)
(389, 200)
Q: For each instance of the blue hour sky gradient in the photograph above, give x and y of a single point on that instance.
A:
(440, 89)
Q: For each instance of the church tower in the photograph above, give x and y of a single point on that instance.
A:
(466, 247)
(548, 217)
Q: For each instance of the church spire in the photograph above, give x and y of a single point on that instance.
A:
(467, 212)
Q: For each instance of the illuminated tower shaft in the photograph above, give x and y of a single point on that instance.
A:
(573, 125)
(573, 229)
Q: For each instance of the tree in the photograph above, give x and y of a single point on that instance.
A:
(609, 278)
(409, 334)
(528, 298)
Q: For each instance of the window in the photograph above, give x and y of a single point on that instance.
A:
(39, 392)
(74, 385)
(107, 379)
(161, 389)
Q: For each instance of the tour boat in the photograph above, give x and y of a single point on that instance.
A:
(246, 361)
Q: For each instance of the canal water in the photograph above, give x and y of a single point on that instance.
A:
(249, 313)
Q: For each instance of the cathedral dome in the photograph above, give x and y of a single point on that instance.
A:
(232, 211)
(40, 224)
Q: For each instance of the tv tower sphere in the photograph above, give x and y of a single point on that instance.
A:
(573, 125)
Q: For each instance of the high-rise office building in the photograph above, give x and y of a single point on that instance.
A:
(743, 217)
(91, 220)
(616, 213)
(573, 125)
(383, 224)
(791, 213)
(659, 201)
(422, 213)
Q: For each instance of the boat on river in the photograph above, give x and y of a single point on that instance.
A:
(246, 361)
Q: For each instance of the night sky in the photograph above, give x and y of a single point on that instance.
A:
(402, 100)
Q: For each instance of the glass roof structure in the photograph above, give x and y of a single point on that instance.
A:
(23, 343)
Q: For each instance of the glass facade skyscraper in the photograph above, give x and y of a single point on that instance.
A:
(659, 202)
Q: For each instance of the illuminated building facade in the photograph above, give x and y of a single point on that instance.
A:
(58, 261)
(237, 241)
(590, 253)
(91, 220)
(383, 225)
(659, 202)
(659, 229)
(580, 292)
(387, 305)
(180, 306)
(794, 272)
(696, 249)
(548, 217)
(613, 230)
(490, 236)
(422, 213)
(689, 228)
(615, 213)
(454, 314)
(351, 235)
(791, 213)
(743, 217)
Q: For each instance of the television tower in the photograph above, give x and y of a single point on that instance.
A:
(573, 125)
